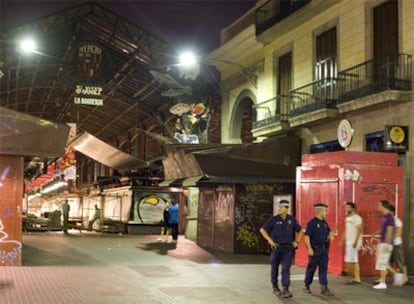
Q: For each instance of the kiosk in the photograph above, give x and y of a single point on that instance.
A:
(334, 178)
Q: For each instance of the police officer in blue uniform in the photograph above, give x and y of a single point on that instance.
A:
(280, 231)
(317, 239)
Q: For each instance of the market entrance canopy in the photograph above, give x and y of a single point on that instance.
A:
(106, 154)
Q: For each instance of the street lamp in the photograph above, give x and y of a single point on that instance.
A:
(28, 45)
(189, 62)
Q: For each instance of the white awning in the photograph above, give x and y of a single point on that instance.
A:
(105, 153)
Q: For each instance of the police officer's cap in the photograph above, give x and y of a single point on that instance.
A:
(320, 206)
(284, 203)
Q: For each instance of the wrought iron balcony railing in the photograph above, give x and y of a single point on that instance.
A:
(271, 111)
(367, 78)
(392, 72)
(273, 11)
(319, 94)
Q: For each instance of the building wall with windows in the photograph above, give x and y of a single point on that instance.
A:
(315, 63)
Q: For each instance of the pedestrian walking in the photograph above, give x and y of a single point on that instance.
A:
(384, 248)
(173, 220)
(397, 255)
(97, 216)
(283, 234)
(318, 236)
(165, 216)
(65, 212)
(352, 241)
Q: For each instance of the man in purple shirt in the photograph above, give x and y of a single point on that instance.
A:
(384, 249)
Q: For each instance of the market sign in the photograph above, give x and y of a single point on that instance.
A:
(90, 57)
(396, 138)
(88, 95)
(345, 133)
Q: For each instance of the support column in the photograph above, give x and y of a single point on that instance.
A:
(11, 203)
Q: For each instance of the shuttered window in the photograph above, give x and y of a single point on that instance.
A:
(385, 36)
(386, 29)
(284, 82)
(326, 54)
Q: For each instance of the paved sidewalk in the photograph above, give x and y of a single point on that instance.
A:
(109, 268)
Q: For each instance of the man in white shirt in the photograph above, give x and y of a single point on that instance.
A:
(353, 241)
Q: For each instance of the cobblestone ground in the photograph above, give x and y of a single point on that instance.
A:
(110, 268)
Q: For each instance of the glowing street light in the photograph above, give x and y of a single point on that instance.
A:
(188, 61)
(28, 45)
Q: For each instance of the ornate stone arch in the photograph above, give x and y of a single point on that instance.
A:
(245, 100)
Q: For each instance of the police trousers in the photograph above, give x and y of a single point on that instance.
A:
(319, 259)
(284, 257)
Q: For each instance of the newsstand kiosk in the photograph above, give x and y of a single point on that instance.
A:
(337, 177)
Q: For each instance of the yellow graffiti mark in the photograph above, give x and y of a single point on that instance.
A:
(247, 236)
(151, 200)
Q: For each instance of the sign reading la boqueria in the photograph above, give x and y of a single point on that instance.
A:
(89, 101)
(88, 95)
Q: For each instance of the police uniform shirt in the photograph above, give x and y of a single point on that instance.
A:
(318, 231)
(282, 230)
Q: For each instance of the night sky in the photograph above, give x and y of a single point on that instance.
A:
(191, 24)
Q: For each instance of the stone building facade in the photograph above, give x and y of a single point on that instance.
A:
(304, 66)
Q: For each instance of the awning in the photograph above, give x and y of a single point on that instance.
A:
(23, 134)
(245, 180)
(178, 182)
(192, 181)
(105, 153)
(166, 183)
(274, 160)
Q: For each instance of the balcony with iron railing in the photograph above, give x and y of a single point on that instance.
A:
(392, 72)
(271, 112)
(322, 98)
(317, 95)
(273, 11)
(320, 95)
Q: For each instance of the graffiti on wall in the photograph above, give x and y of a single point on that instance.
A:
(10, 250)
(11, 187)
(192, 202)
(369, 246)
(148, 207)
(247, 236)
(254, 206)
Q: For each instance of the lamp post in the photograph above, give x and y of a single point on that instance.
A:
(190, 63)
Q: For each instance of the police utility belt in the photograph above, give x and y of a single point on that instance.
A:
(285, 246)
(320, 247)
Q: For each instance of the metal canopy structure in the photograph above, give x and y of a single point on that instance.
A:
(104, 153)
(274, 160)
(45, 84)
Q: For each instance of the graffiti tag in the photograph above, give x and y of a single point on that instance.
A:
(10, 249)
(369, 246)
(6, 211)
(246, 235)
